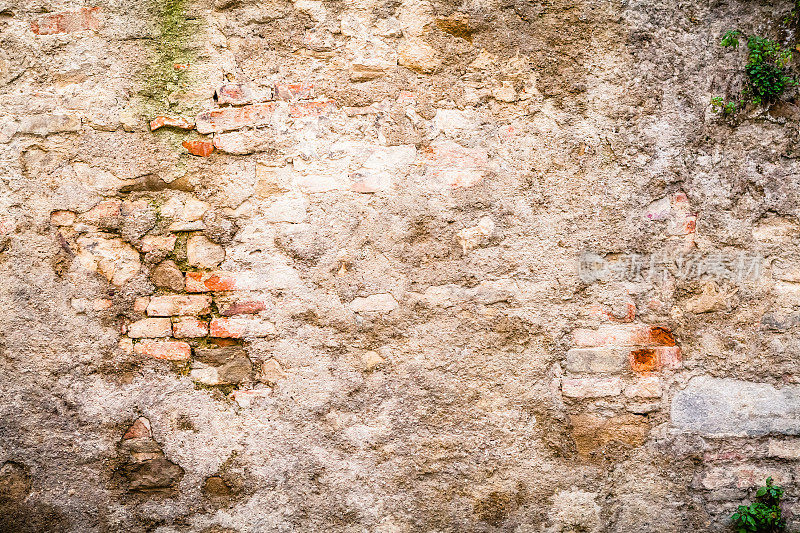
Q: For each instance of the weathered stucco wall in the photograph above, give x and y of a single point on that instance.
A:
(392, 266)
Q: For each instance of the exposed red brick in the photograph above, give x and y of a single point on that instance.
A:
(234, 118)
(661, 336)
(179, 305)
(188, 328)
(645, 360)
(233, 94)
(242, 307)
(168, 350)
(171, 122)
(210, 281)
(67, 22)
(199, 148)
(294, 91)
(311, 109)
(237, 328)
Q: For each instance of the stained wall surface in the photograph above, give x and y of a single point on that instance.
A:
(392, 266)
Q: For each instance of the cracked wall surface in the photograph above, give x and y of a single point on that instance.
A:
(392, 266)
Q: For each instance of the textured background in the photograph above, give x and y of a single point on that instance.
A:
(344, 293)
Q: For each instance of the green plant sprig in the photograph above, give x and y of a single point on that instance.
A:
(767, 70)
(763, 515)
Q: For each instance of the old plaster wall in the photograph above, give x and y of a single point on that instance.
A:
(391, 266)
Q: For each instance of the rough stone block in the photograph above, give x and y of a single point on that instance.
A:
(730, 407)
(374, 303)
(203, 253)
(596, 360)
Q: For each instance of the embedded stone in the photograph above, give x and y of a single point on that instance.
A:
(203, 253)
(167, 275)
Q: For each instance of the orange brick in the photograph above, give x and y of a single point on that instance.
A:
(168, 350)
(199, 148)
(171, 122)
(235, 118)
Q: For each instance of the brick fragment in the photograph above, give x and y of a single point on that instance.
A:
(241, 307)
(210, 281)
(140, 304)
(138, 430)
(171, 122)
(311, 109)
(199, 148)
(150, 328)
(294, 91)
(188, 328)
(591, 387)
(67, 22)
(624, 335)
(237, 328)
(103, 212)
(454, 165)
(168, 350)
(62, 218)
(234, 118)
(179, 305)
(246, 397)
(647, 387)
(233, 94)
